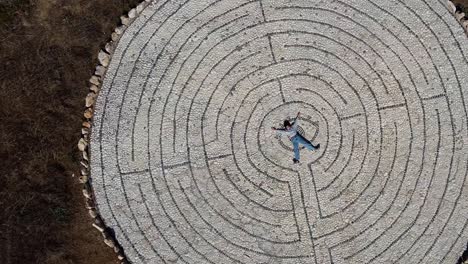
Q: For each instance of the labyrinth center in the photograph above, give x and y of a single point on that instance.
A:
(186, 169)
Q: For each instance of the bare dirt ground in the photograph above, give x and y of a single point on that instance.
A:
(463, 5)
(48, 51)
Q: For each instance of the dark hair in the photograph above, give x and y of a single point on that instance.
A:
(286, 123)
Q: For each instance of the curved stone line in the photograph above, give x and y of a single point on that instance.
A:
(103, 183)
(265, 155)
(448, 107)
(104, 58)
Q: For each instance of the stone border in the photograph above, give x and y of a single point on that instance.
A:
(462, 18)
(104, 58)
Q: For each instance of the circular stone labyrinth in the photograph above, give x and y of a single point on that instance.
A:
(185, 166)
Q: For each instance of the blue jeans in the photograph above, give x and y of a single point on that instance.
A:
(298, 138)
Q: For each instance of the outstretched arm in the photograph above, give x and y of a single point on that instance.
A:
(280, 131)
(295, 120)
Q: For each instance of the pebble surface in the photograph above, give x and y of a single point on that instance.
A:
(185, 167)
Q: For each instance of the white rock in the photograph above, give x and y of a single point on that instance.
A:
(98, 227)
(84, 164)
(124, 20)
(132, 13)
(86, 124)
(120, 29)
(140, 8)
(83, 179)
(109, 47)
(103, 58)
(84, 131)
(100, 70)
(82, 144)
(85, 156)
(465, 24)
(94, 88)
(86, 193)
(452, 8)
(109, 242)
(120, 257)
(84, 172)
(94, 80)
(459, 16)
(90, 99)
(114, 36)
(88, 114)
(92, 213)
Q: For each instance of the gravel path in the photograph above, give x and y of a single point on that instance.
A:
(186, 169)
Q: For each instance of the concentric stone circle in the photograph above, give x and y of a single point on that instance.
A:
(186, 169)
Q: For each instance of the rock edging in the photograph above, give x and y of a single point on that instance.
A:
(462, 18)
(104, 58)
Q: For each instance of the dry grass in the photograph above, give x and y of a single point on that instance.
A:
(48, 51)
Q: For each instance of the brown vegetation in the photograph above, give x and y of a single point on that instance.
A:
(48, 51)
